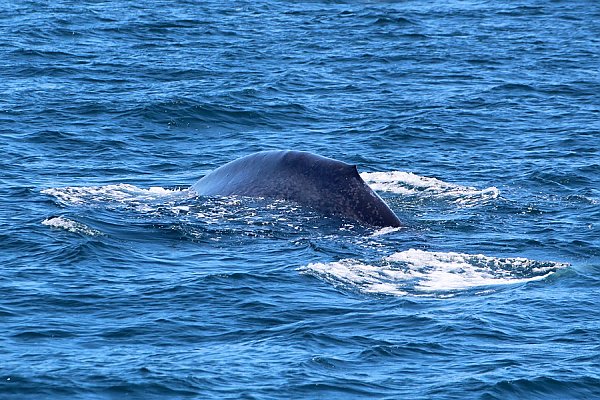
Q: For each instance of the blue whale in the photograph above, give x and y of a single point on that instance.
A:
(329, 186)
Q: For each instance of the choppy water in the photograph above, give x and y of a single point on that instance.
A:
(478, 122)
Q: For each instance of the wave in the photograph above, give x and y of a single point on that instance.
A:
(177, 201)
(70, 226)
(121, 193)
(577, 386)
(419, 272)
(181, 210)
(234, 109)
(397, 182)
(409, 184)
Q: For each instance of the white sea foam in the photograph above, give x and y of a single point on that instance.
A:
(70, 225)
(364, 277)
(407, 183)
(385, 231)
(421, 272)
(152, 200)
(122, 192)
(158, 201)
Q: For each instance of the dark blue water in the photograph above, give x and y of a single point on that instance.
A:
(478, 122)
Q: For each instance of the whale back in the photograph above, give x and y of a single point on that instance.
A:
(329, 186)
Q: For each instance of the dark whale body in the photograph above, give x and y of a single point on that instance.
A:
(329, 186)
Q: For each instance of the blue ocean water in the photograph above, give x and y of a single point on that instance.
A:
(478, 123)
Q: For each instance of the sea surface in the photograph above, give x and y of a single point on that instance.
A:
(478, 122)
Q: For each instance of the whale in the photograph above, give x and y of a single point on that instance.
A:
(331, 187)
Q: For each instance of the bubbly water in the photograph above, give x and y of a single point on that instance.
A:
(477, 122)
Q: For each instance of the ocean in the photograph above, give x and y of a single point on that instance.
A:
(478, 122)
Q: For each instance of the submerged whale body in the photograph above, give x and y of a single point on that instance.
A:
(329, 186)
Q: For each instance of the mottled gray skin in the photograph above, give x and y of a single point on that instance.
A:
(329, 186)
